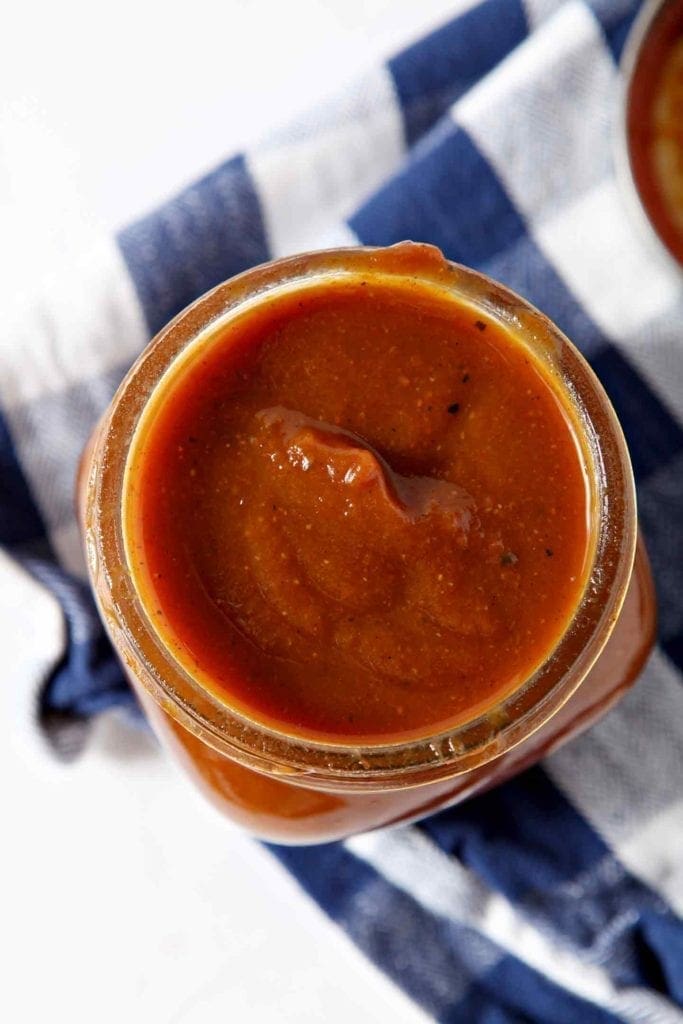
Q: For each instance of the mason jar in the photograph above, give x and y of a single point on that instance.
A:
(292, 789)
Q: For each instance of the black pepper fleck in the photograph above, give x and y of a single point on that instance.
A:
(509, 558)
(480, 325)
(453, 408)
(549, 552)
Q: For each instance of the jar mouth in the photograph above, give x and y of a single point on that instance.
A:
(358, 765)
(668, 245)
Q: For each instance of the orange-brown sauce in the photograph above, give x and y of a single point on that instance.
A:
(358, 511)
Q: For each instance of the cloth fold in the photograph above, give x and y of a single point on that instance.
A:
(558, 896)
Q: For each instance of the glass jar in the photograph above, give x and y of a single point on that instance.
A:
(289, 789)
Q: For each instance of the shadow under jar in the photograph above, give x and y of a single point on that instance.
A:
(361, 526)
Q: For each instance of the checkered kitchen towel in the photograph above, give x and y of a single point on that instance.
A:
(554, 898)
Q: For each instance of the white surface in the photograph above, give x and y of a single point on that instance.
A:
(105, 111)
(123, 896)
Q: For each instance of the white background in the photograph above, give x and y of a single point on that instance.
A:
(124, 898)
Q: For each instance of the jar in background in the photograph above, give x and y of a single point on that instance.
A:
(650, 139)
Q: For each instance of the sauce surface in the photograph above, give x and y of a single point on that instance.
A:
(655, 125)
(358, 511)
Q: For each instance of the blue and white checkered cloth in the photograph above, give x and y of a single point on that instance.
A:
(556, 897)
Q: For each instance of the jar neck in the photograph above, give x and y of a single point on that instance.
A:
(344, 766)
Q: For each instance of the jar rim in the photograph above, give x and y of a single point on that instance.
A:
(344, 765)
